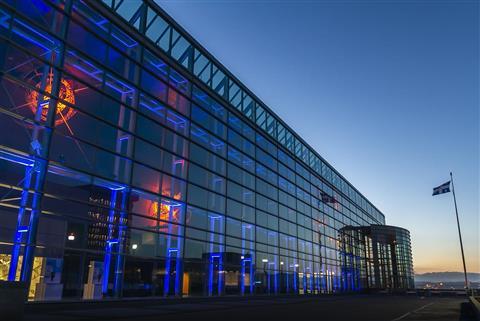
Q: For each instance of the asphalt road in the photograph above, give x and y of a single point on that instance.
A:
(368, 308)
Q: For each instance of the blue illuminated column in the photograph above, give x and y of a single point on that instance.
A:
(357, 273)
(247, 260)
(304, 276)
(285, 266)
(21, 230)
(273, 239)
(117, 220)
(295, 276)
(116, 238)
(116, 241)
(118, 217)
(309, 276)
(275, 275)
(215, 264)
(122, 233)
(282, 263)
(335, 279)
(174, 250)
(328, 286)
(34, 179)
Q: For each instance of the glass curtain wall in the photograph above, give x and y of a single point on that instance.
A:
(379, 255)
(122, 176)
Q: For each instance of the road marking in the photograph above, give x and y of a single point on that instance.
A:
(414, 311)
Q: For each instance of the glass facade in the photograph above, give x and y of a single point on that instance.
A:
(380, 255)
(133, 164)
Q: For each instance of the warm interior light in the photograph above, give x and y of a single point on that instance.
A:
(63, 112)
(164, 212)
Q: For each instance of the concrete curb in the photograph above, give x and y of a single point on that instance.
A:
(474, 301)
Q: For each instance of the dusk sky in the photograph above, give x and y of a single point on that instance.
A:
(386, 91)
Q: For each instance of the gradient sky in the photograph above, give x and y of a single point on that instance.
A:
(386, 91)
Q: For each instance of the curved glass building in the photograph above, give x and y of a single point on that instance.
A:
(132, 163)
(377, 257)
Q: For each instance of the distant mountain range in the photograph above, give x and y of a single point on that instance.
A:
(446, 277)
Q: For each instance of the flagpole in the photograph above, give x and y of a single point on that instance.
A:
(459, 234)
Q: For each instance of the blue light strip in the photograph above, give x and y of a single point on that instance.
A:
(178, 270)
(172, 252)
(294, 277)
(251, 259)
(275, 276)
(168, 261)
(38, 170)
(311, 281)
(178, 121)
(287, 275)
(118, 277)
(110, 242)
(19, 233)
(181, 81)
(178, 262)
(101, 22)
(158, 66)
(31, 38)
(213, 257)
(242, 271)
(16, 158)
(94, 72)
(304, 278)
(4, 17)
(211, 263)
(156, 108)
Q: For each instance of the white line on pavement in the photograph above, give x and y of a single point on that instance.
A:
(408, 313)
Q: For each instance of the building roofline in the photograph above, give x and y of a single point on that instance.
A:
(226, 71)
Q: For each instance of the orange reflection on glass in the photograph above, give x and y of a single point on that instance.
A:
(66, 93)
(169, 185)
(167, 212)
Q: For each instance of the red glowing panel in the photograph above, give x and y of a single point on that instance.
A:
(63, 112)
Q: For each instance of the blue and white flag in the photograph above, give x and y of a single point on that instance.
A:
(444, 188)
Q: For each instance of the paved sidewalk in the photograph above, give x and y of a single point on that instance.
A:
(443, 310)
(328, 308)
